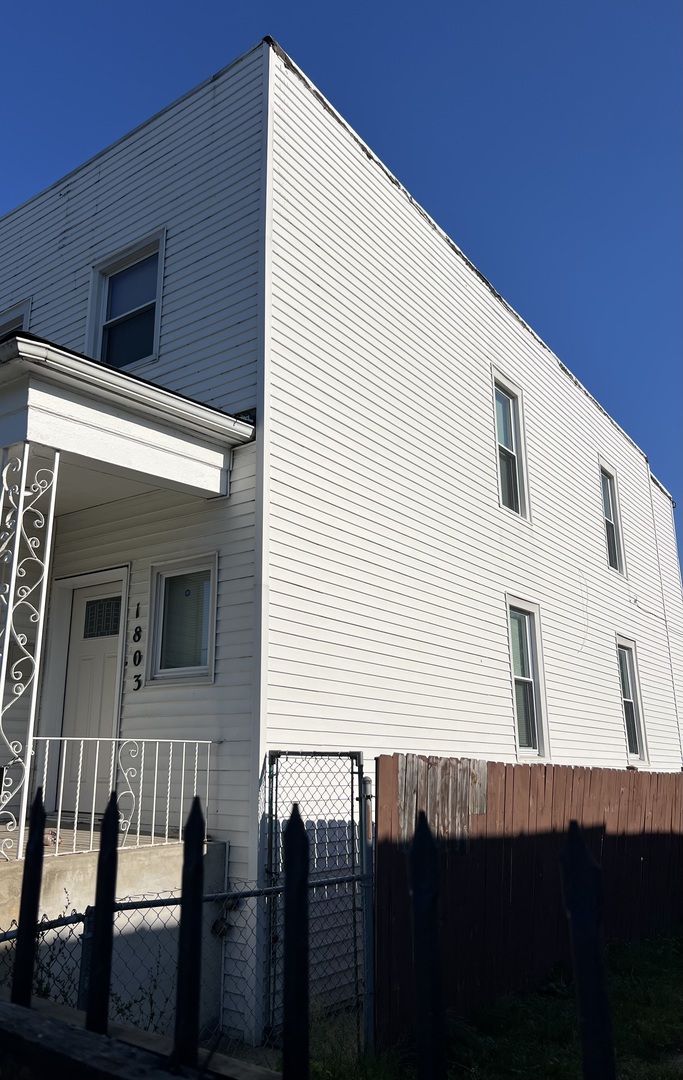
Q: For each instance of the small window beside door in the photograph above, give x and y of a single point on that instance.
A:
(184, 601)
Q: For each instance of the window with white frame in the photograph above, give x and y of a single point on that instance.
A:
(611, 515)
(526, 676)
(124, 318)
(630, 699)
(184, 613)
(510, 458)
(14, 319)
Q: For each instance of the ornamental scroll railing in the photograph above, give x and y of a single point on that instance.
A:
(154, 780)
(27, 505)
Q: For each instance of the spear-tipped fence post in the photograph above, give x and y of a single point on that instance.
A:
(99, 977)
(25, 955)
(429, 1014)
(295, 1062)
(190, 941)
(583, 901)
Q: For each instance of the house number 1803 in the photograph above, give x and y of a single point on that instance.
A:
(137, 655)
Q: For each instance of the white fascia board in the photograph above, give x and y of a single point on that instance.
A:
(118, 439)
(121, 389)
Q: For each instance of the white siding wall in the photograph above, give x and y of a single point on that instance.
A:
(149, 530)
(671, 589)
(196, 170)
(389, 554)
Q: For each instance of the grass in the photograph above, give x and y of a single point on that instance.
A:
(536, 1035)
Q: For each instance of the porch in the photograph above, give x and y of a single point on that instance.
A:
(155, 781)
(82, 438)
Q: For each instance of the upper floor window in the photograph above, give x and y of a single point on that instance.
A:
(611, 515)
(130, 314)
(14, 319)
(630, 700)
(526, 674)
(124, 315)
(511, 478)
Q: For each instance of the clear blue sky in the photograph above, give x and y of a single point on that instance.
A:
(543, 136)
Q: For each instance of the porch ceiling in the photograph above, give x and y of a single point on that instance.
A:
(118, 434)
(81, 487)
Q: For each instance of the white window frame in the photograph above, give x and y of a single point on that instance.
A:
(615, 521)
(628, 647)
(99, 293)
(532, 614)
(159, 574)
(518, 451)
(15, 318)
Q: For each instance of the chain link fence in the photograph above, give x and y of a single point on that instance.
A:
(242, 940)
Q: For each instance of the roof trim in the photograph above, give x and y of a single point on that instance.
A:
(26, 353)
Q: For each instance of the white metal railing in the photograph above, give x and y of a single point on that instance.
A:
(155, 781)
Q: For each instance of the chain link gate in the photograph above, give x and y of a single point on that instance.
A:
(334, 801)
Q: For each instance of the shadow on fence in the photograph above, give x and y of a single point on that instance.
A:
(583, 900)
(499, 834)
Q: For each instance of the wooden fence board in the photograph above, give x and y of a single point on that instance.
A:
(616, 917)
(562, 794)
(477, 894)
(494, 876)
(610, 799)
(658, 866)
(521, 880)
(675, 890)
(389, 926)
(634, 814)
(649, 871)
(507, 930)
(547, 892)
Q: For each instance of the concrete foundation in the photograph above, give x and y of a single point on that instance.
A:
(69, 880)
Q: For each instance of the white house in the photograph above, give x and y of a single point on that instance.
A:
(308, 481)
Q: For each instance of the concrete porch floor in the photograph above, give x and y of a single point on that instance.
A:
(61, 838)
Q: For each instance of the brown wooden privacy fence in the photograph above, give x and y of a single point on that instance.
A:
(500, 830)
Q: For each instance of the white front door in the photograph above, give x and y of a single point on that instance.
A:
(90, 697)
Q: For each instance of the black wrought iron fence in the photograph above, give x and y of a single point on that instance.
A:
(242, 984)
(236, 993)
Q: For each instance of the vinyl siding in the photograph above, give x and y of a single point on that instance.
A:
(150, 530)
(672, 592)
(195, 170)
(389, 555)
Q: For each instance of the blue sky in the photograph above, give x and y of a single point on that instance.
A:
(543, 136)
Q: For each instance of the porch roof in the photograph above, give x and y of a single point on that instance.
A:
(91, 413)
